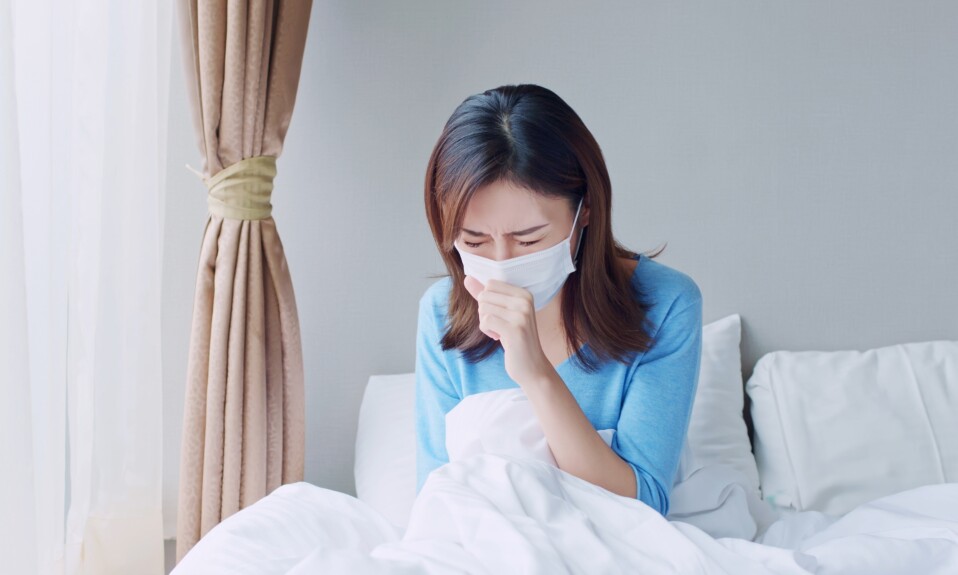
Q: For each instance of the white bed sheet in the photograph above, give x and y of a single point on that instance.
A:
(502, 506)
(492, 514)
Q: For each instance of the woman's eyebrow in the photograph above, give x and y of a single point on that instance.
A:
(518, 233)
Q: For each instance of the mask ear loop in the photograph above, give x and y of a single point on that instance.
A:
(579, 242)
(577, 246)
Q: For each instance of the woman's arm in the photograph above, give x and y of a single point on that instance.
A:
(656, 406)
(435, 394)
(657, 402)
(576, 445)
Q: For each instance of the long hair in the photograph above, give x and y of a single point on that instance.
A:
(526, 135)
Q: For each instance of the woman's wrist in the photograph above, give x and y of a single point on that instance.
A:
(542, 381)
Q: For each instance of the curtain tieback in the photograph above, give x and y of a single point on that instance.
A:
(242, 190)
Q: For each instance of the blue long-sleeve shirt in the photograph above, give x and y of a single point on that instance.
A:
(647, 402)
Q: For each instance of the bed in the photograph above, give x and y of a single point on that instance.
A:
(849, 467)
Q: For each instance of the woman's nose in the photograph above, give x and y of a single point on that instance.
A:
(503, 251)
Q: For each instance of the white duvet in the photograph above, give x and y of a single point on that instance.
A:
(501, 506)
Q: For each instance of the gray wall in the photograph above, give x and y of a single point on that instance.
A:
(799, 159)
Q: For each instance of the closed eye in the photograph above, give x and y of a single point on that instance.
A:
(476, 245)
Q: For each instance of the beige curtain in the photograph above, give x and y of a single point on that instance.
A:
(243, 424)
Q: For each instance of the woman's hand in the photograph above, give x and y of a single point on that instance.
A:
(507, 314)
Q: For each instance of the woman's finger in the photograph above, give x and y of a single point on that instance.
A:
(489, 308)
(507, 301)
(493, 324)
(473, 286)
(484, 327)
(498, 286)
(500, 320)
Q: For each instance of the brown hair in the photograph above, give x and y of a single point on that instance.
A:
(525, 134)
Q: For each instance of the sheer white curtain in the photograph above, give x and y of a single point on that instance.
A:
(83, 115)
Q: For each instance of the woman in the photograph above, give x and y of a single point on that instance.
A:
(540, 295)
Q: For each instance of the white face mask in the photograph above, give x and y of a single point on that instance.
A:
(542, 272)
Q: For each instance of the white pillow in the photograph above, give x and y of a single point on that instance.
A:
(716, 487)
(717, 432)
(835, 429)
(385, 467)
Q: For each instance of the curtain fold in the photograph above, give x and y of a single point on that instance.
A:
(244, 413)
(82, 172)
(19, 539)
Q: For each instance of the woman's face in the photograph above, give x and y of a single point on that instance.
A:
(504, 221)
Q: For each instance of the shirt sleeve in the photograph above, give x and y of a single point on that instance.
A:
(435, 394)
(657, 403)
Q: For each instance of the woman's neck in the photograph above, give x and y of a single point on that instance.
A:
(549, 319)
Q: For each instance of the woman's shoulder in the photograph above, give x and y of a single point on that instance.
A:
(438, 291)
(667, 287)
(435, 299)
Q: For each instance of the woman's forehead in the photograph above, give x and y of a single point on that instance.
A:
(504, 207)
